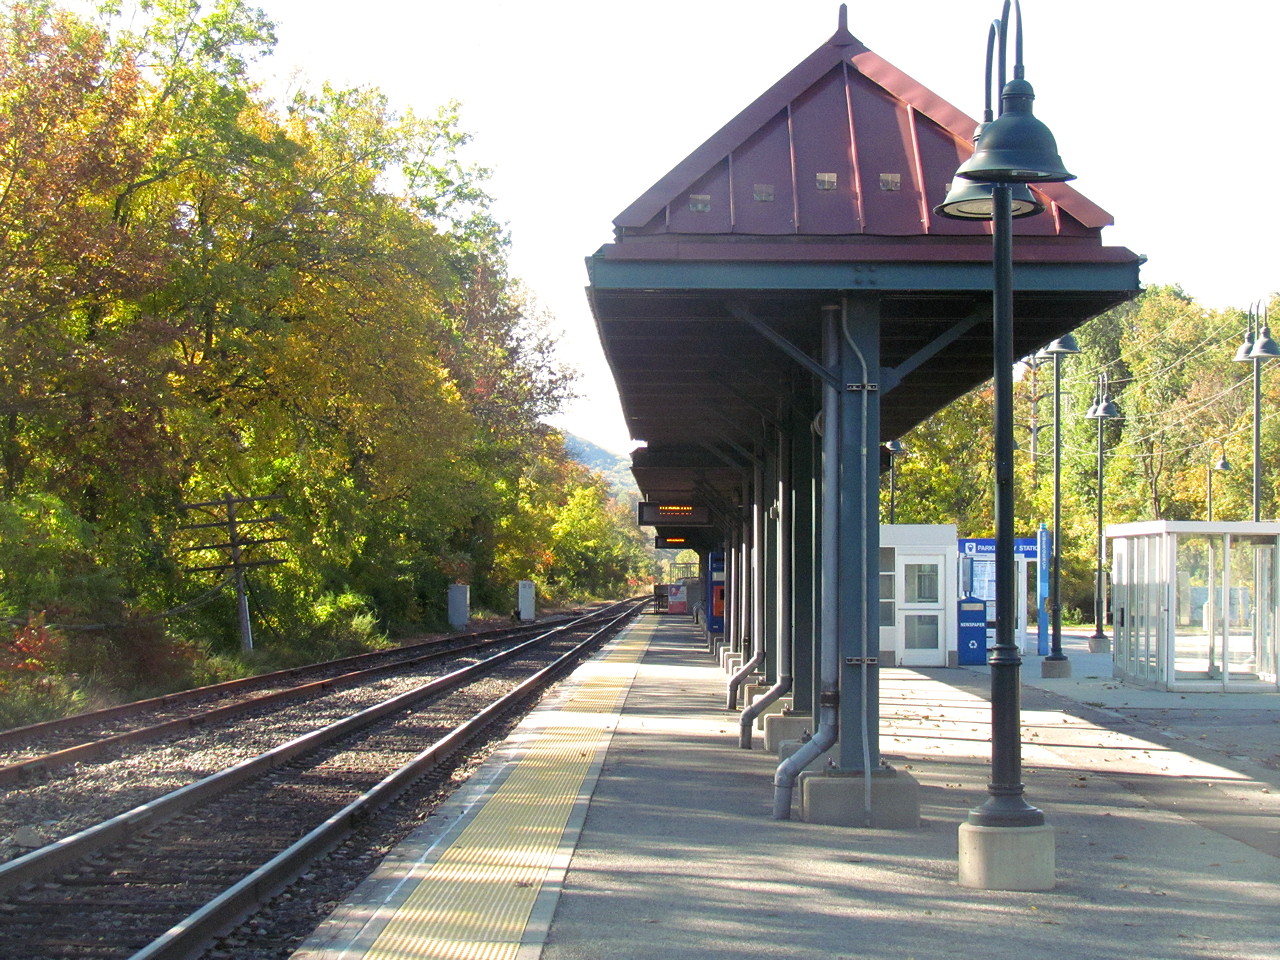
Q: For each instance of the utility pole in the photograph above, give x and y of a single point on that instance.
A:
(233, 523)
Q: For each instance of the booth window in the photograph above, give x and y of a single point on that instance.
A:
(921, 583)
(888, 589)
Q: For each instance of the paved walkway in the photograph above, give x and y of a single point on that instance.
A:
(1166, 811)
(1163, 853)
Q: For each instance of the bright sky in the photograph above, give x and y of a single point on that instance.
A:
(579, 106)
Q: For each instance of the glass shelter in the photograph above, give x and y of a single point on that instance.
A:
(1194, 604)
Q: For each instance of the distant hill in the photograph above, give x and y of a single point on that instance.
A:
(615, 469)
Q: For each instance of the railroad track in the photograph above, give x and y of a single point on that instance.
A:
(43, 748)
(161, 880)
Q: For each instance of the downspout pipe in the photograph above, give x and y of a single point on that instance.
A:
(757, 589)
(731, 598)
(825, 736)
(783, 583)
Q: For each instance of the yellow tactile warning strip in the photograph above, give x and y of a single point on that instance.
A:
(475, 900)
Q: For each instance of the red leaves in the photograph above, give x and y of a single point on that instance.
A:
(33, 648)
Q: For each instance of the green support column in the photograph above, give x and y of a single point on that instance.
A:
(858, 533)
(804, 566)
(769, 563)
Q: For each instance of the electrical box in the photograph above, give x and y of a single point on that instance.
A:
(526, 601)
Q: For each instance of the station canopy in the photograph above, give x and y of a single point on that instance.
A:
(822, 188)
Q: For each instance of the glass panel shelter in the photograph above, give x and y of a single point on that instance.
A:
(1195, 604)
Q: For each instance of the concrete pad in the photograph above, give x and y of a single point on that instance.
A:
(838, 798)
(788, 747)
(778, 706)
(1007, 858)
(1055, 669)
(779, 727)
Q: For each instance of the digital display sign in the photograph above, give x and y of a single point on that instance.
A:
(653, 514)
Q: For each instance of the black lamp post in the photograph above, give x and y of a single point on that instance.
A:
(1060, 348)
(1011, 151)
(1257, 347)
(1219, 464)
(896, 450)
(1102, 409)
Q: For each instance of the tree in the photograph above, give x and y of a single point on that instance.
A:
(947, 475)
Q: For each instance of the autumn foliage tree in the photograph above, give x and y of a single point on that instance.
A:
(1184, 403)
(207, 293)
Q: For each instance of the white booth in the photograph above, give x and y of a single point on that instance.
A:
(1195, 604)
(918, 592)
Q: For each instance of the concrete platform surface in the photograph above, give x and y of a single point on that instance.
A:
(1167, 829)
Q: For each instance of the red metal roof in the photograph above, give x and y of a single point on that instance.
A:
(821, 189)
(844, 145)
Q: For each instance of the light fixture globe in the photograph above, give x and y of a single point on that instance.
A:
(1264, 348)
(1015, 147)
(1064, 344)
(1246, 346)
(1104, 409)
(970, 200)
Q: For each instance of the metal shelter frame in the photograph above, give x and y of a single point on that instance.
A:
(784, 302)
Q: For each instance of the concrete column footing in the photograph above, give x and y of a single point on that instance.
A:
(779, 728)
(1007, 858)
(788, 747)
(777, 707)
(1055, 669)
(838, 798)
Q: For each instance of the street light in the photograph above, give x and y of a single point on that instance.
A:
(1257, 347)
(896, 450)
(1221, 465)
(1102, 409)
(1013, 149)
(969, 199)
(1056, 663)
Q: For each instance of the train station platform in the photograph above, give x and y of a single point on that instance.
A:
(623, 820)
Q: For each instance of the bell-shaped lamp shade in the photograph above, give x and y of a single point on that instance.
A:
(969, 200)
(1015, 147)
(1105, 409)
(1222, 463)
(1064, 344)
(1246, 346)
(1264, 348)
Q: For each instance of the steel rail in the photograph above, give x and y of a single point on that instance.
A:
(91, 749)
(40, 862)
(190, 937)
(19, 734)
